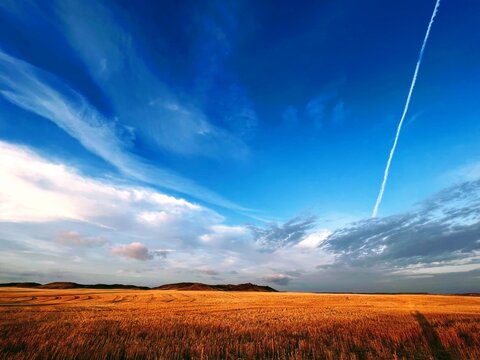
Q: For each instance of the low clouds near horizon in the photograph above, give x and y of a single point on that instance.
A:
(75, 222)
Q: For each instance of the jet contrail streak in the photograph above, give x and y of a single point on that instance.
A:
(399, 129)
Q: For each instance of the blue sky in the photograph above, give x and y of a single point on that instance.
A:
(150, 142)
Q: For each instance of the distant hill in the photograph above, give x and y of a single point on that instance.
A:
(61, 285)
(246, 287)
(21, 284)
(228, 287)
(72, 285)
(186, 286)
(176, 286)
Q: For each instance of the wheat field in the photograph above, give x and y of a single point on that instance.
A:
(111, 324)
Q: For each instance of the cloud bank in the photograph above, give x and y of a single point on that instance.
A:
(60, 219)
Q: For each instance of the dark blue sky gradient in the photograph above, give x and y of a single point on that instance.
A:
(248, 65)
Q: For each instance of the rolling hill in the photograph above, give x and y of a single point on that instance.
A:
(177, 286)
(228, 287)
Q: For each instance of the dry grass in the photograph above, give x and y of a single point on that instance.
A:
(133, 324)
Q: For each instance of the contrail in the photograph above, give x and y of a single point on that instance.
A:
(399, 129)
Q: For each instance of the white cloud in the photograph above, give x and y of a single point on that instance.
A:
(134, 250)
(313, 240)
(33, 189)
(154, 217)
(222, 234)
(26, 192)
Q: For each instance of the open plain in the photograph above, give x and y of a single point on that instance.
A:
(136, 324)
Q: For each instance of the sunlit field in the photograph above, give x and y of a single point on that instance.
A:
(136, 324)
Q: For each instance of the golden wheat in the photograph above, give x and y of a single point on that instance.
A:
(108, 324)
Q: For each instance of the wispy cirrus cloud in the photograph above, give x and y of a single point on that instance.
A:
(290, 116)
(41, 93)
(137, 92)
(118, 72)
(325, 108)
(214, 49)
(467, 172)
(75, 239)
